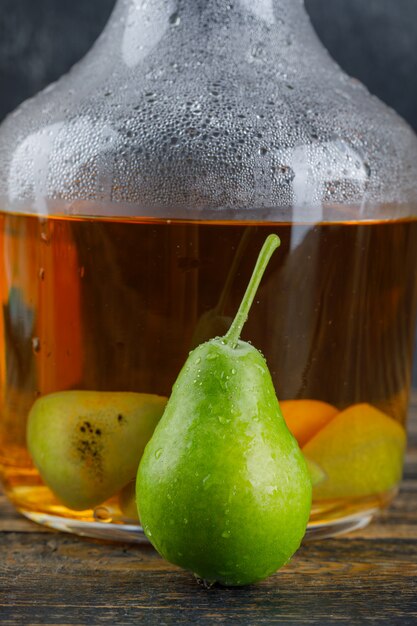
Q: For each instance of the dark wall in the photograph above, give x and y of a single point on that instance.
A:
(374, 40)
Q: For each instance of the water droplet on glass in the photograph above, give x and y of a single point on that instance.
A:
(174, 19)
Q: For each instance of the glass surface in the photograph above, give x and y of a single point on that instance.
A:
(135, 195)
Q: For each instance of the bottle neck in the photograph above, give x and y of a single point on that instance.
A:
(225, 26)
(155, 14)
(268, 10)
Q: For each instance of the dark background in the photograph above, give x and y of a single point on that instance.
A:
(373, 40)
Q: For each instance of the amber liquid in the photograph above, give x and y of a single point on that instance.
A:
(117, 306)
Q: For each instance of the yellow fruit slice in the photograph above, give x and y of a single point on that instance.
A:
(316, 473)
(87, 445)
(305, 418)
(361, 452)
(127, 501)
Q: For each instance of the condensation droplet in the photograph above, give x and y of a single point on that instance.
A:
(174, 19)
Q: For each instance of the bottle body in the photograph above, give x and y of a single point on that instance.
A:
(116, 305)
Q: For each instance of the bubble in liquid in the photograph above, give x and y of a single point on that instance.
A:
(36, 345)
(102, 514)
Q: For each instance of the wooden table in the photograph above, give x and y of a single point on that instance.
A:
(369, 576)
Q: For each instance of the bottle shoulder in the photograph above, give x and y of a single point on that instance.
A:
(255, 121)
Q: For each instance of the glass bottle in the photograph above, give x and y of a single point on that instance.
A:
(135, 194)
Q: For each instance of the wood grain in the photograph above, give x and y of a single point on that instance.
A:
(369, 576)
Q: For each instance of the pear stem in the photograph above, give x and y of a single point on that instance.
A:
(271, 244)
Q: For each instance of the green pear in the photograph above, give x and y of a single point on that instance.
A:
(87, 444)
(223, 489)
